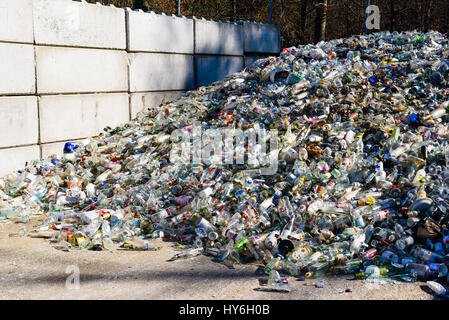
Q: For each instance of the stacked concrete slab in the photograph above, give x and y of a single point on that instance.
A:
(160, 50)
(71, 68)
(218, 50)
(19, 121)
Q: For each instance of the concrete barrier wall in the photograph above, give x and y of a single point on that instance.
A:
(17, 69)
(160, 71)
(213, 68)
(84, 115)
(218, 38)
(18, 121)
(261, 38)
(151, 32)
(78, 70)
(78, 24)
(16, 20)
(71, 68)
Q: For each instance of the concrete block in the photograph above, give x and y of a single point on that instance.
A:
(210, 69)
(15, 158)
(142, 100)
(156, 72)
(74, 70)
(212, 37)
(17, 74)
(64, 117)
(16, 20)
(18, 121)
(260, 37)
(159, 33)
(82, 24)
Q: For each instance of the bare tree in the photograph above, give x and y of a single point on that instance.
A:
(303, 19)
(392, 14)
(232, 10)
(426, 12)
(447, 16)
(320, 20)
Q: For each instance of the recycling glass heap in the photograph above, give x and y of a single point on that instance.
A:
(361, 184)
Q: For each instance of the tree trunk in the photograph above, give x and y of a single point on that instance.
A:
(232, 10)
(404, 11)
(427, 10)
(194, 6)
(447, 16)
(392, 15)
(320, 21)
(303, 21)
(347, 19)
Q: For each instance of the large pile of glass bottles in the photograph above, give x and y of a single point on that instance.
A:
(361, 185)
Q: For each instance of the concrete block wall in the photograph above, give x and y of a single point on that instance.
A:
(261, 38)
(71, 68)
